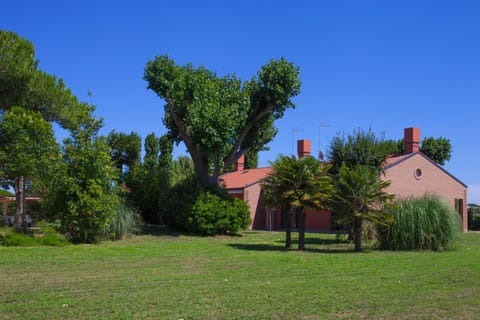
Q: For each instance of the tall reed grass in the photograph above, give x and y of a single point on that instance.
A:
(125, 223)
(422, 223)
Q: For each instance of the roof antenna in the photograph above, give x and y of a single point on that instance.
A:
(294, 131)
(322, 126)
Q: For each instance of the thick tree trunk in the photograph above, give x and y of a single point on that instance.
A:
(302, 214)
(357, 225)
(288, 236)
(20, 200)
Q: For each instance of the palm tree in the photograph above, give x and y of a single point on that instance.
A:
(359, 195)
(301, 184)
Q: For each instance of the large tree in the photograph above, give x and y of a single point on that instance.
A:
(125, 150)
(27, 150)
(220, 118)
(359, 148)
(437, 149)
(300, 184)
(23, 84)
(360, 196)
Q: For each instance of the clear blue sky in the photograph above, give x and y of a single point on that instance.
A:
(380, 64)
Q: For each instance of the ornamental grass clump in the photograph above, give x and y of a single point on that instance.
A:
(423, 223)
(124, 223)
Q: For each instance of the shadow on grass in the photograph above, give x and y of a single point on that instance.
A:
(166, 231)
(266, 247)
(318, 241)
(160, 231)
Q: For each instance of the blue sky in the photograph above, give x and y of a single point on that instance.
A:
(380, 64)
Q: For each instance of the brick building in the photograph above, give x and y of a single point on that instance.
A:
(411, 174)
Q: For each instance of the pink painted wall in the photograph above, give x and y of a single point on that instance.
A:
(253, 197)
(433, 180)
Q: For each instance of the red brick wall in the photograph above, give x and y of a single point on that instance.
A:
(432, 180)
(318, 221)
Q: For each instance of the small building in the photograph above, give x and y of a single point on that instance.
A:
(411, 174)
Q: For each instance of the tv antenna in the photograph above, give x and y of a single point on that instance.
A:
(294, 131)
(321, 127)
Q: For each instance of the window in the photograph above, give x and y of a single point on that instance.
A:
(418, 173)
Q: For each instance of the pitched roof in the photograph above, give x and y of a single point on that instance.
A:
(243, 178)
(396, 158)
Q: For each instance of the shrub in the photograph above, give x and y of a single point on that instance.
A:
(125, 223)
(213, 214)
(43, 235)
(17, 239)
(420, 224)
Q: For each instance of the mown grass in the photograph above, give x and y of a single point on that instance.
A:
(249, 277)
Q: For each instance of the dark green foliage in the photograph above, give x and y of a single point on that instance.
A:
(27, 151)
(123, 224)
(251, 159)
(125, 150)
(359, 196)
(424, 223)
(149, 183)
(360, 148)
(439, 149)
(87, 195)
(212, 214)
(473, 216)
(220, 118)
(182, 169)
(301, 184)
(23, 85)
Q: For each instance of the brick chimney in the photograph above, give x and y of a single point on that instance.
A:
(303, 148)
(240, 164)
(412, 139)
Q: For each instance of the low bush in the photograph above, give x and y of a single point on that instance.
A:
(42, 235)
(424, 223)
(205, 212)
(212, 214)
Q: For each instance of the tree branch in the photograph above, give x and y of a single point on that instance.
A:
(233, 154)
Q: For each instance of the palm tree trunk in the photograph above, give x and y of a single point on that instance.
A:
(301, 228)
(358, 233)
(288, 236)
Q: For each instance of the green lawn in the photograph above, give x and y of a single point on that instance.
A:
(248, 277)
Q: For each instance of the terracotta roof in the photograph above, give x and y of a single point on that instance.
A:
(393, 159)
(243, 178)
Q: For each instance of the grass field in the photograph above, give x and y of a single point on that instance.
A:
(248, 277)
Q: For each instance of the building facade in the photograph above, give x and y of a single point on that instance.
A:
(410, 174)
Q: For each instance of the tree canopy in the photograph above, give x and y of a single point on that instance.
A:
(359, 148)
(27, 149)
(23, 84)
(359, 195)
(301, 184)
(220, 118)
(438, 149)
(124, 149)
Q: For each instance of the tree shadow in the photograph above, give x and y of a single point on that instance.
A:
(317, 241)
(166, 231)
(274, 248)
(160, 231)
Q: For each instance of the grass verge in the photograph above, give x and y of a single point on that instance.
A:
(174, 276)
